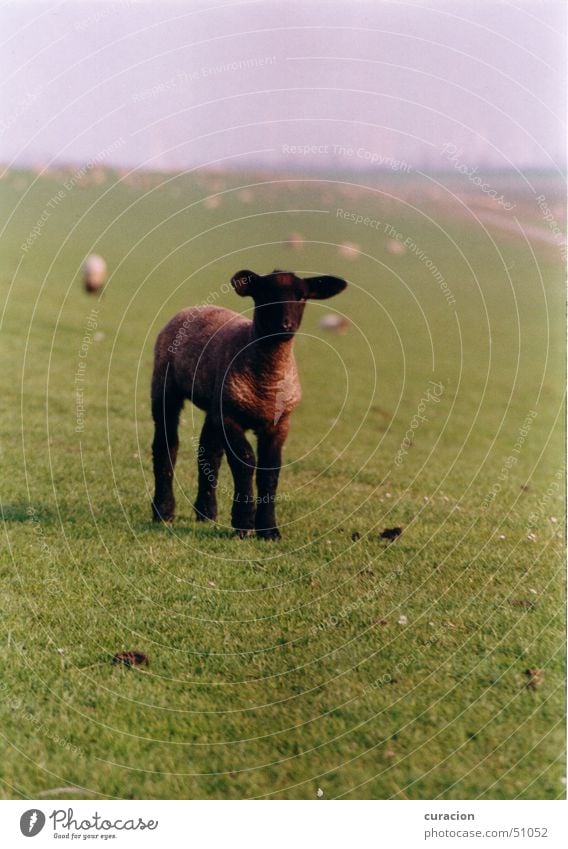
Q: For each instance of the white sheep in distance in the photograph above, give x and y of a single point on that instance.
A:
(94, 273)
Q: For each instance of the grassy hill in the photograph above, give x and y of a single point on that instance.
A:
(333, 659)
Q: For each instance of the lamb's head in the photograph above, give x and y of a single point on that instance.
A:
(280, 298)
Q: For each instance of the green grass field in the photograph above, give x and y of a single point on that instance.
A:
(366, 669)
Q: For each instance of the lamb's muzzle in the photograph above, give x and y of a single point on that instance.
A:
(243, 374)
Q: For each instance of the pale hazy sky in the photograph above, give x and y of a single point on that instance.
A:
(178, 84)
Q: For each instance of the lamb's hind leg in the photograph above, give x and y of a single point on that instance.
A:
(210, 454)
(240, 456)
(166, 407)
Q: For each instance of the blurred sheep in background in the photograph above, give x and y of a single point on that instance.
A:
(94, 273)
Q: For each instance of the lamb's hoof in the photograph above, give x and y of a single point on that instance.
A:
(272, 534)
(162, 514)
(204, 514)
(243, 533)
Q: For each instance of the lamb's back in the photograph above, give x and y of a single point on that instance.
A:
(198, 345)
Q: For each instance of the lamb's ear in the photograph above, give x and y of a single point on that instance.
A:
(243, 282)
(325, 286)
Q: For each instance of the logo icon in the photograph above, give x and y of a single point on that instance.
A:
(32, 822)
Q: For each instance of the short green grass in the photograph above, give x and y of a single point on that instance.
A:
(367, 669)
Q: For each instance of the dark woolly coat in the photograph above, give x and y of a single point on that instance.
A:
(243, 374)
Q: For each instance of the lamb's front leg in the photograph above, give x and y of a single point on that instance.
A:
(270, 442)
(209, 458)
(240, 456)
